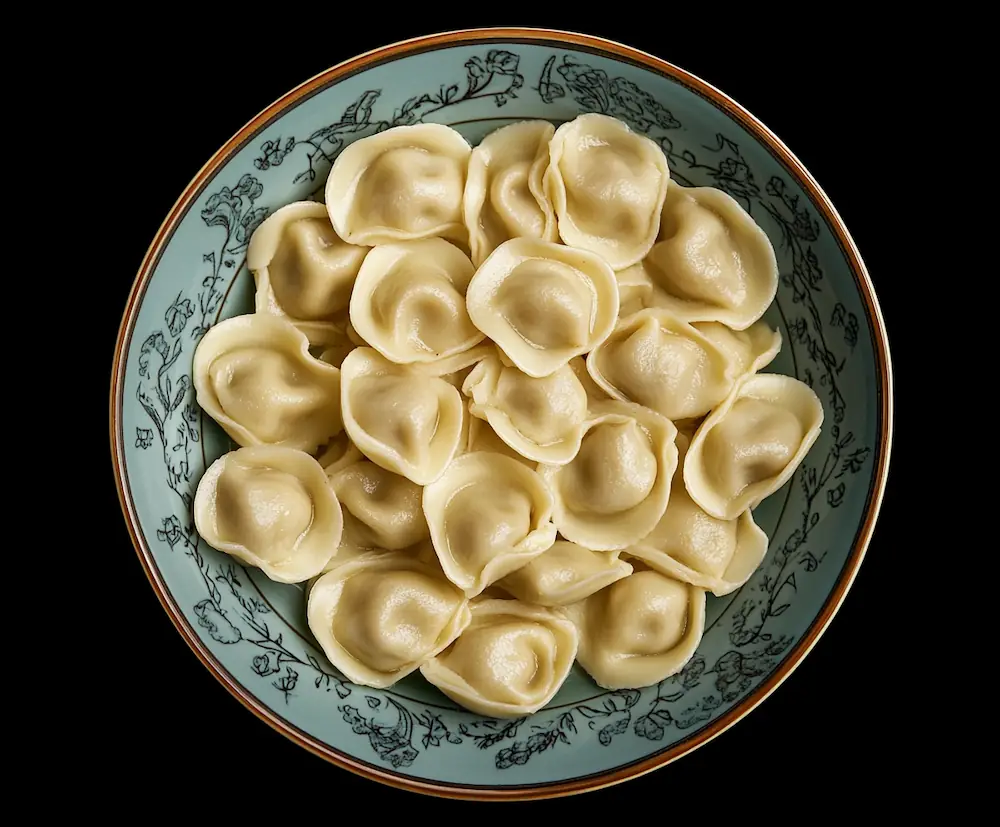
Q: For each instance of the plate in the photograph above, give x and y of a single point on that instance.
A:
(251, 633)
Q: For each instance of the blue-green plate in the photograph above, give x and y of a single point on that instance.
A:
(251, 633)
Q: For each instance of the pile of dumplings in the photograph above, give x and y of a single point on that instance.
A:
(501, 410)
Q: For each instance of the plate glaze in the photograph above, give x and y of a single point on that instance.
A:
(251, 633)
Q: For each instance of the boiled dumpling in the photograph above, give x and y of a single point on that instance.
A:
(384, 509)
(712, 262)
(401, 184)
(748, 351)
(271, 508)
(564, 574)
(543, 303)
(595, 393)
(405, 421)
(254, 376)
(542, 419)
(409, 301)
(504, 196)
(488, 515)
(694, 547)
(749, 446)
(657, 360)
(338, 453)
(509, 662)
(607, 185)
(616, 488)
(379, 616)
(640, 630)
(480, 437)
(303, 270)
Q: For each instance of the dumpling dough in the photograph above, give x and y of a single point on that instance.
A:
(409, 301)
(595, 393)
(543, 303)
(657, 360)
(748, 351)
(401, 184)
(694, 547)
(504, 196)
(481, 437)
(616, 488)
(488, 515)
(509, 662)
(383, 510)
(712, 262)
(750, 446)
(271, 508)
(405, 421)
(542, 419)
(379, 616)
(639, 630)
(303, 270)
(566, 573)
(338, 453)
(254, 376)
(607, 185)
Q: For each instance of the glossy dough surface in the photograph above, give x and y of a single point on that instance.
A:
(270, 508)
(564, 574)
(510, 660)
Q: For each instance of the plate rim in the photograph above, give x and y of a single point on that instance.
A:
(844, 581)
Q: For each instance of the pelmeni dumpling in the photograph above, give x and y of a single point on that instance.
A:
(639, 630)
(303, 270)
(564, 574)
(270, 507)
(401, 184)
(409, 301)
(488, 515)
(384, 509)
(607, 185)
(595, 393)
(543, 303)
(480, 437)
(616, 488)
(712, 262)
(338, 453)
(542, 419)
(694, 547)
(657, 360)
(405, 421)
(748, 351)
(254, 376)
(750, 446)
(504, 196)
(379, 616)
(509, 662)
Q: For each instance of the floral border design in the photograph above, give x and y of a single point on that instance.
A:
(397, 733)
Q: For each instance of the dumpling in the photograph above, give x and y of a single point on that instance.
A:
(383, 510)
(271, 508)
(454, 369)
(616, 488)
(694, 547)
(481, 437)
(712, 262)
(504, 196)
(254, 376)
(595, 393)
(640, 630)
(636, 290)
(542, 419)
(409, 301)
(488, 515)
(338, 453)
(303, 270)
(748, 351)
(657, 360)
(401, 184)
(566, 573)
(750, 446)
(338, 343)
(509, 662)
(543, 303)
(379, 616)
(607, 185)
(405, 421)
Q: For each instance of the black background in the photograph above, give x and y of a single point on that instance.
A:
(828, 728)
